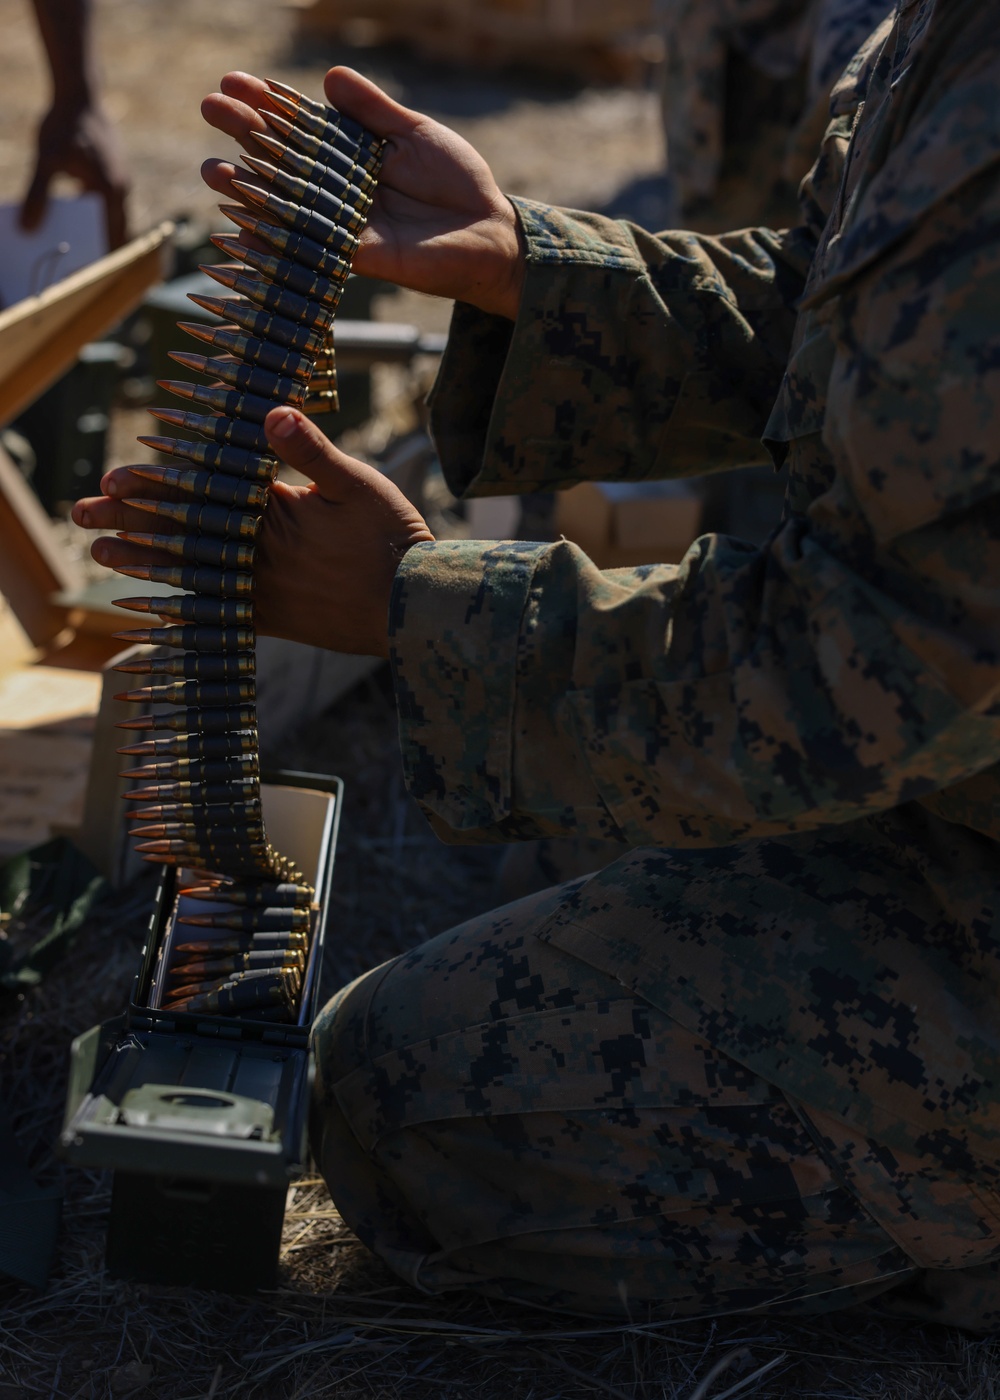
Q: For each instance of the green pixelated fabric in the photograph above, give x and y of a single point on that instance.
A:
(492, 1113)
(797, 743)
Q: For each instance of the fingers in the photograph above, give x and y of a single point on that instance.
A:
(219, 176)
(33, 208)
(102, 513)
(115, 215)
(245, 88)
(119, 554)
(365, 101)
(112, 511)
(300, 443)
(122, 482)
(233, 117)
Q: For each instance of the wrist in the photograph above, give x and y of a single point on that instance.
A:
(501, 295)
(517, 256)
(71, 100)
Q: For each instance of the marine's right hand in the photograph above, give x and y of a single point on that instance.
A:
(439, 222)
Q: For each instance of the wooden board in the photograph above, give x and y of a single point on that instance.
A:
(46, 724)
(33, 567)
(41, 336)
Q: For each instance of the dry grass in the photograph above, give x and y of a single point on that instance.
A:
(340, 1324)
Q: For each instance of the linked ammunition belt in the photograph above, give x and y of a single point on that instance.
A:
(198, 799)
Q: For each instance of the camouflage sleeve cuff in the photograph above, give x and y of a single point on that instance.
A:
(480, 674)
(634, 357)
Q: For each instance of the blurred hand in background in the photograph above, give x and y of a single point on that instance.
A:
(75, 137)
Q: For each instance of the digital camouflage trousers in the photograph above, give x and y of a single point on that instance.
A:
(492, 1113)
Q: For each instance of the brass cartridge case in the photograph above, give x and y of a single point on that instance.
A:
(252, 349)
(223, 583)
(188, 607)
(201, 693)
(213, 520)
(230, 432)
(263, 325)
(281, 388)
(193, 666)
(252, 920)
(196, 549)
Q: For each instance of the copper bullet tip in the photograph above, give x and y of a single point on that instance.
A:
(135, 537)
(180, 387)
(260, 167)
(278, 123)
(213, 305)
(255, 196)
(285, 106)
(285, 90)
(227, 244)
(164, 444)
(270, 143)
(174, 416)
(199, 330)
(240, 216)
(197, 363)
(227, 276)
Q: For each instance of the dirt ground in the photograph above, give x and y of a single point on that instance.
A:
(339, 1324)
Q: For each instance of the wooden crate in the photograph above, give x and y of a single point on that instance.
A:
(589, 39)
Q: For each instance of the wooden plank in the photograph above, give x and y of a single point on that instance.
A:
(16, 649)
(33, 566)
(46, 719)
(50, 699)
(41, 336)
(43, 779)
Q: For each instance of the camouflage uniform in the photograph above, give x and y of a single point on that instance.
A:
(755, 1060)
(726, 125)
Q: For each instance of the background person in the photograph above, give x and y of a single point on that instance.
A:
(75, 136)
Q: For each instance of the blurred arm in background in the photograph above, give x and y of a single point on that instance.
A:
(75, 136)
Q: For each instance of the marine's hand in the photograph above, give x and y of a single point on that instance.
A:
(327, 553)
(80, 141)
(439, 223)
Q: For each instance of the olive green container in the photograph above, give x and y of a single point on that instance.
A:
(203, 1119)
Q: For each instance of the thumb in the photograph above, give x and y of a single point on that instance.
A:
(300, 444)
(351, 92)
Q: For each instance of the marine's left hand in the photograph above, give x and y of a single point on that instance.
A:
(327, 552)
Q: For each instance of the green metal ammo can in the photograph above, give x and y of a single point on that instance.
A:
(203, 1118)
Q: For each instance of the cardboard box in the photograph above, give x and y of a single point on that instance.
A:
(619, 524)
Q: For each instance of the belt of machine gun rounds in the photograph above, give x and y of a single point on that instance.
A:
(198, 797)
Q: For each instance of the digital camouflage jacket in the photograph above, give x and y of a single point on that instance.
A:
(786, 40)
(848, 671)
